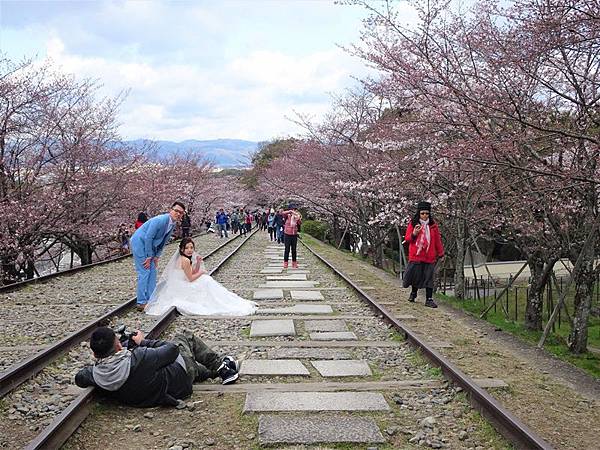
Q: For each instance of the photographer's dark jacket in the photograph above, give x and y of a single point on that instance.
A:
(146, 376)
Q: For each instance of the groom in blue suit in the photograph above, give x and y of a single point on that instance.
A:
(147, 244)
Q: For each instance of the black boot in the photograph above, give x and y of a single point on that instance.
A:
(430, 303)
(412, 297)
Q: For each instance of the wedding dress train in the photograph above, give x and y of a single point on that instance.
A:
(203, 296)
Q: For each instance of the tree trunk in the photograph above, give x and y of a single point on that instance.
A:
(8, 272)
(459, 272)
(85, 251)
(535, 298)
(584, 284)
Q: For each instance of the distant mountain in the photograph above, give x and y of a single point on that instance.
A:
(223, 152)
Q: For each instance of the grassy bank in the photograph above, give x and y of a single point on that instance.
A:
(556, 342)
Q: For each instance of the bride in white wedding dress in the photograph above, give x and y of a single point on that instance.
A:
(185, 284)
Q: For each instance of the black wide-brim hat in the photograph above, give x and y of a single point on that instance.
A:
(423, 206)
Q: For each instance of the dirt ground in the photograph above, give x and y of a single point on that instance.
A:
(558, 401)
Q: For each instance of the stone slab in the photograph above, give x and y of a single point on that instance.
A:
(325, 325)
(406, 317)
(345, 368)
(315, 401)
(333, 336)
(288, 277)
(306, 295)
(308, 353)
(299, 258)
(271, 271)
(280, 264)
(267, 294)
(313, 430)
(288, 284)
(320, 386)
(298, 309)
(441, 344)
(273, 367)
(490, 383)
(263, 343)
(284, 327)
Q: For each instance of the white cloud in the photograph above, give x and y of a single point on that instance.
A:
(248, 98)
(201, 69)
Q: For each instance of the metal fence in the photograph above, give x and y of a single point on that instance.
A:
(514, 299)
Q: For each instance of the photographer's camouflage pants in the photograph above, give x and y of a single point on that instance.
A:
(200, 360)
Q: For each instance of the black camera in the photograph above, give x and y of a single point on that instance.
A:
(125, 336)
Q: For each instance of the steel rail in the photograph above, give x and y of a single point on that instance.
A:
(505, 423)
(20, 372)
(14, 286)
(65, 424)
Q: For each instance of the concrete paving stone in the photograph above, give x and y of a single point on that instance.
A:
(333, 336)
(275, 367)
(268, 294)
(325, 325)
(441, 344)
(488, 383)
(306, 295)
(289, 284)
(264, 343)
(345, 368)
(320, 386)
(271, 271)
(299, 258)
(284, 327)
(288, 277)
(406, 317)
(315, 401)
(312, 430)
(289, 269)
(298, 309)
(308, 353)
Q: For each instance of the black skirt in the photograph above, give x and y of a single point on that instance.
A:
(419, 275)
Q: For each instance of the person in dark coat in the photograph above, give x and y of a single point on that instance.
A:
(425, 248)
(154, 373)
(186, 226)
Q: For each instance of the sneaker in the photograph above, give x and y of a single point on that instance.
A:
(285, 264)
(294, 264)
(140, 307)
(430, 303)
(231, 363)
(228, 370)
(412, 297)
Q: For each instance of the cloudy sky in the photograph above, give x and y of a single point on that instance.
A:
(196, 69)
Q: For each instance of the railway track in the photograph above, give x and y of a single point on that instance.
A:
(322, 362)
(40, 312)
(55, 361)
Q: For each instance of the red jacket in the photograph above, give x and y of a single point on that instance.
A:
(292, 220)
(436, 248)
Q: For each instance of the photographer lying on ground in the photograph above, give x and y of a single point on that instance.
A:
(154, 373)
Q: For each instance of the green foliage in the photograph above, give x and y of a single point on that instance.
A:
(267, 152)
(315, 228)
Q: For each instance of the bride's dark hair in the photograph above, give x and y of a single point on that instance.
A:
(185, 241)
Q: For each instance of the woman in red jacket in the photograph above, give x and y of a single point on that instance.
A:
(424, 249)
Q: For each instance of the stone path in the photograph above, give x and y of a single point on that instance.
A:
(320, 332)
(298, 332)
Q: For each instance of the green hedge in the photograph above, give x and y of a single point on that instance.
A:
(315, 228)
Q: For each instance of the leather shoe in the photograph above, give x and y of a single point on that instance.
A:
(140, 307)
